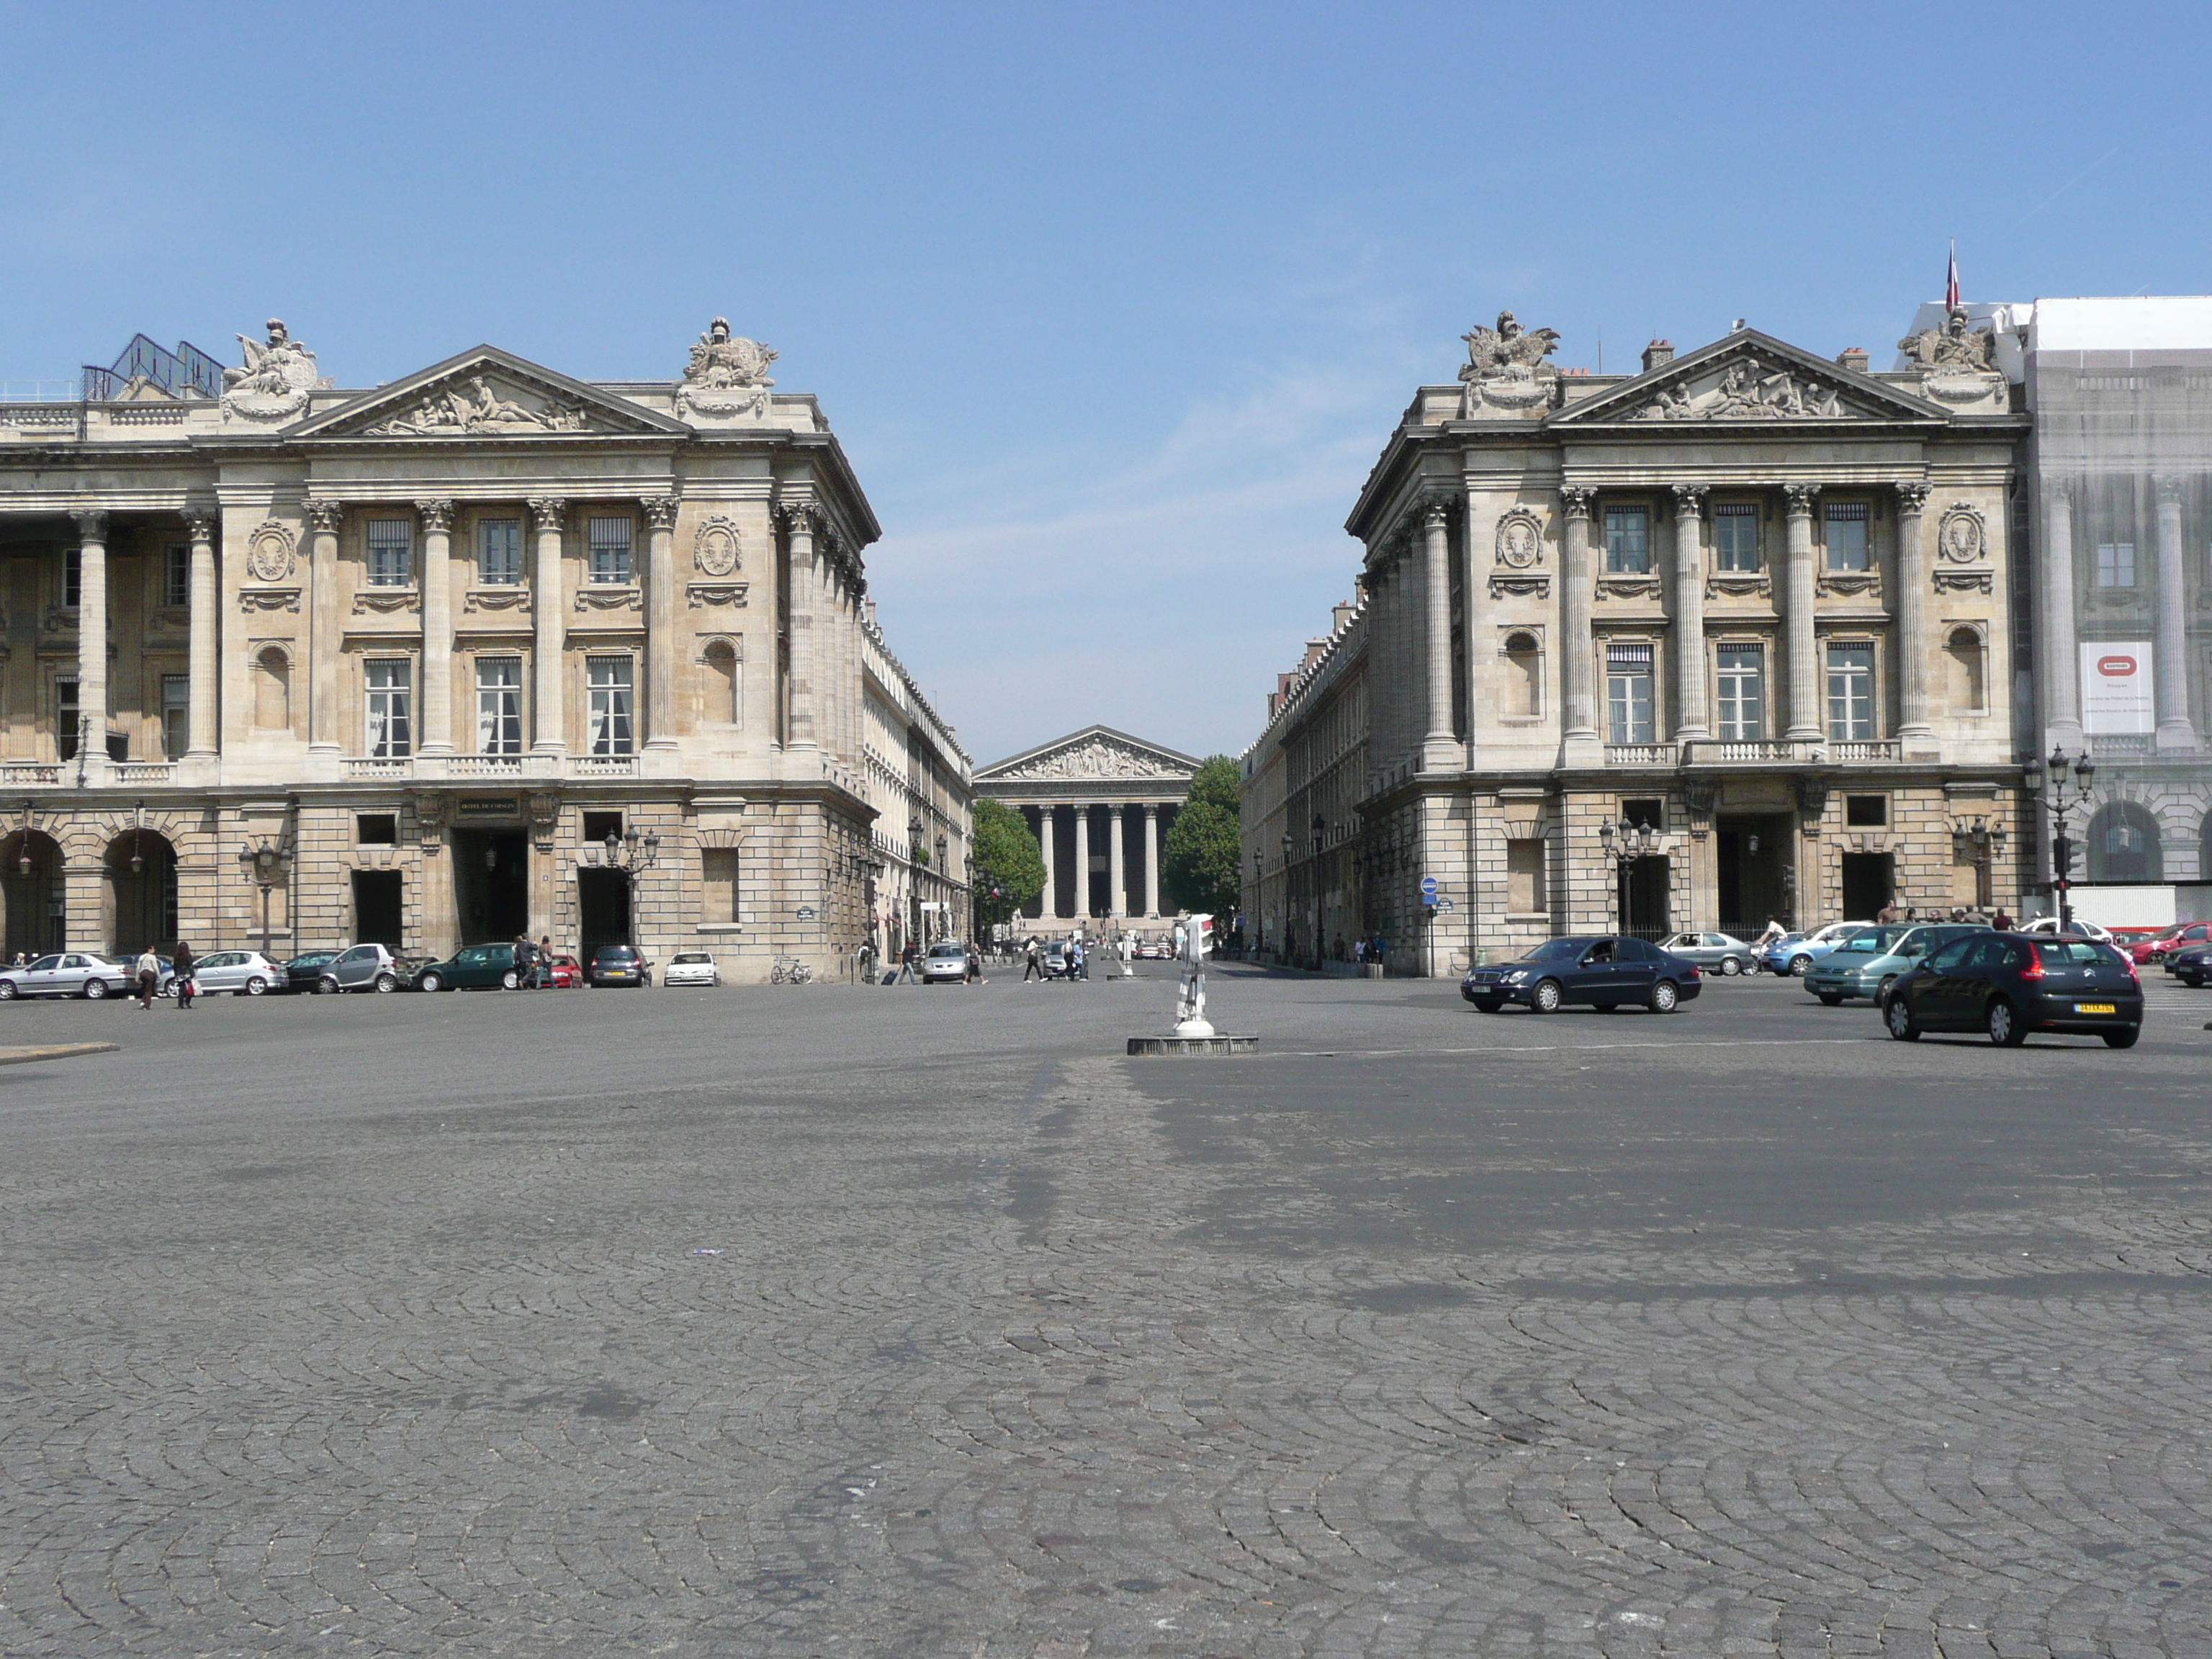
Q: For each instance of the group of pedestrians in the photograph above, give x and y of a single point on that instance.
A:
(534, 963)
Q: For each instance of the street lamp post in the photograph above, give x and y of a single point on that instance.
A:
(1288, 941)
(2062, 804)
(263, 866)
(1625, 844)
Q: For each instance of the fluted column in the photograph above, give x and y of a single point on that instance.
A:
(2062, 704)
(91, 637)
(548, 601)
(1437, 749)
(1802, 644)
(435, 580)
(205, 643)
(1692, 719)
(1578, 656)
(662, 654)
(325, 519)
(804, 647)
(1151, 859)
(1050, 906)
(1916, 665)
(2176, 729)
(1083, 859)
(1116, 880)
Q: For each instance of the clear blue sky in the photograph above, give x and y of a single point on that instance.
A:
(1112, 307)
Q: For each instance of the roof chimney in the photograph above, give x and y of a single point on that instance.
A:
(1658, 352)
(1341, 618)
(1854, 358)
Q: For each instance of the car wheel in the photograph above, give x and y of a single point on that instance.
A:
(429, 982)
(1485, 1006)
(1545, 999)
(510, 980)
(1798, 966)
(326, 988)
(2004, 1024)
(7, 990)
(2191, 980)
(386, 982)
(1828, 997)
(1900, 1022)
(2122, 1039)
(1730, 966)
(1663, 997)
(257, 986)
(1882, 991)
(94, 989)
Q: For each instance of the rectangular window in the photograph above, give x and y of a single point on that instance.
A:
(499, 552)
(1524, 877)
(1742, 692)
(72, 576)
(1628, 684)
(608, 542)
(391, 707)
(499, 705)
(65, 718)
(598, 826)
(1735, 537)
(391, 543)
(376, 829)
(1850, 693)
(1866, 811)
(607, 680)
(176, 715)
(1847, 535)
(719, 902)
(177, 577)
(2116, 564)
(1628, 539)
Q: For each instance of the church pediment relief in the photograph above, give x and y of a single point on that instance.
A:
(1749, 380)
(487, 394)
(1095, 755)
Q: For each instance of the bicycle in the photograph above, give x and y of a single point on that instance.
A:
(790, 970)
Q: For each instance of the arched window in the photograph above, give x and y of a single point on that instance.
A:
(2124, 844)
(1524, 675)
(726, 684)
(1968, 672)
(272, 690)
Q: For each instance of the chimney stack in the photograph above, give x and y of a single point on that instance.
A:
(1658, 352)
(1854, 358)
(1341, 616)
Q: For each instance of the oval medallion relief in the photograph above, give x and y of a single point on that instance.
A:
(269, 552)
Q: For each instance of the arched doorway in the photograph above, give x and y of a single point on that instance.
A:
(142, 879)
(32, 893)
(2124, 844)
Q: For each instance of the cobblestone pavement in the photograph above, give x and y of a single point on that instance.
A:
(829, 1320)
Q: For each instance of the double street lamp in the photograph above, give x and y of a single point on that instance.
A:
(631, 852)
(263, 867)
(2062, 844)
(1626, 844)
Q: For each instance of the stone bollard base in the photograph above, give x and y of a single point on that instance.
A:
(1192, 1046)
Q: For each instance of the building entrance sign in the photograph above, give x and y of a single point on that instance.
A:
(502, 806)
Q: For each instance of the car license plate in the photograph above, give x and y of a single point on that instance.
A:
(2096, 1008)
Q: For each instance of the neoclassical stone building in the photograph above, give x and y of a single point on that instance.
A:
(1755, 598)
(1099, 802)
(486, 649)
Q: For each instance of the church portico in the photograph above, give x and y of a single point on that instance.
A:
(1099, 803)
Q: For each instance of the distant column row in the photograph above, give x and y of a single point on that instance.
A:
(1100, 859)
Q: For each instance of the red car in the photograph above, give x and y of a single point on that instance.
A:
(2150, 950)
(567, 973)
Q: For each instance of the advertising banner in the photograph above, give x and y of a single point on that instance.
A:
(2116, 695)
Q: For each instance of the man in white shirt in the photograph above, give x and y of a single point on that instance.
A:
(148, 968)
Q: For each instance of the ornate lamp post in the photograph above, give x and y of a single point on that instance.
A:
(1625, 844)
(263, 867)
(631, 852)
(2062, 804)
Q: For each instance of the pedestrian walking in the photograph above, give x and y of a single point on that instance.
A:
(149, 967)
(907, 959)
(184, 962)
(1128, 957)
(1887, 913)
(546, 963)
(1032, 963)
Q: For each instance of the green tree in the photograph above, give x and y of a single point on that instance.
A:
(1005, 870)
(1204, 850)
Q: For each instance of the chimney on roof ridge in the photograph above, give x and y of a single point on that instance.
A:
(1340, 617)
(1658, 352)
(1854, 358)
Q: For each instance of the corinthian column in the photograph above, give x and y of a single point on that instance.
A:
(200, 722)
(323, 520)
(1438, 749)
(1797, 588)
(92, 636)
(1151, 859)
(661, 654)
(801, 611)
(1690, 613)
(1916, 665)
(1048, 907)
(1577, 666)
(1083, 859)
(547, 601)
(2061, 705)
(1117, 879)
(437, 583)
(2175, 728)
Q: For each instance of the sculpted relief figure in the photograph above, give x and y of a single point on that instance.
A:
(275, 381)
(1746, 390)
(1095, 759)
(1506, 365)
(477, 408)
(727, 374)
(1957, 346)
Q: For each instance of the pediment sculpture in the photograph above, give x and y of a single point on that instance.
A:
(728, 375)
(476, 407)
(275, 380)
(1956, 362)
(1505, 367)
(1096, 758)
(1749, 389)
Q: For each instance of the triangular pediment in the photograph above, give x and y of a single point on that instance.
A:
(1097, 751)
(1749, 380)
(489, 393)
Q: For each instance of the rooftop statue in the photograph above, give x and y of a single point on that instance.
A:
(728, 375)
(1956, 346)
(1505, 366)
(275, 381)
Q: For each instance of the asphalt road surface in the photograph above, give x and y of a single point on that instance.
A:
(829, 1320)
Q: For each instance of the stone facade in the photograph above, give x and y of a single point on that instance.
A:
(431, 645)
(1100, 803)
(1754, 598)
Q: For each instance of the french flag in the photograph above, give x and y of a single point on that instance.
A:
(1951, 278)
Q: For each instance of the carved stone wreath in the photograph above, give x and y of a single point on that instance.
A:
(717, 546)
(268, 551)
(1520, 539)
(1961, 536)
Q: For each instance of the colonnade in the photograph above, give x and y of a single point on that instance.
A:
(2061, 666)
(1068, 891)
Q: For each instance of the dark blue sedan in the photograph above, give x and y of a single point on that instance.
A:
(1608, 972)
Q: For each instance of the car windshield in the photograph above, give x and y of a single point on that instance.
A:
(1872, 940)
(690, 957)
(616, 953)
(948, 950)
(1556, 950)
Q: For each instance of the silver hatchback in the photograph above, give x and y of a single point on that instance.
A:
(240, 973)
(1717, 953)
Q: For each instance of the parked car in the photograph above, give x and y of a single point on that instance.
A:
(1796, 953)
(72, 974)
(567, 973)
(472, 968)
(2010, 984)
(2193, 966)
(359, 968)
(691, 967)
(1055, 962)
(1715, 953)
(2166, 940)
(1869, 963)
(620, 965)
(301, 972)
(409, 965)
(2084, 929)
(240, 973)
(1608, 972)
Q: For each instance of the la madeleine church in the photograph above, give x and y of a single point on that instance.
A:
(485, 651)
